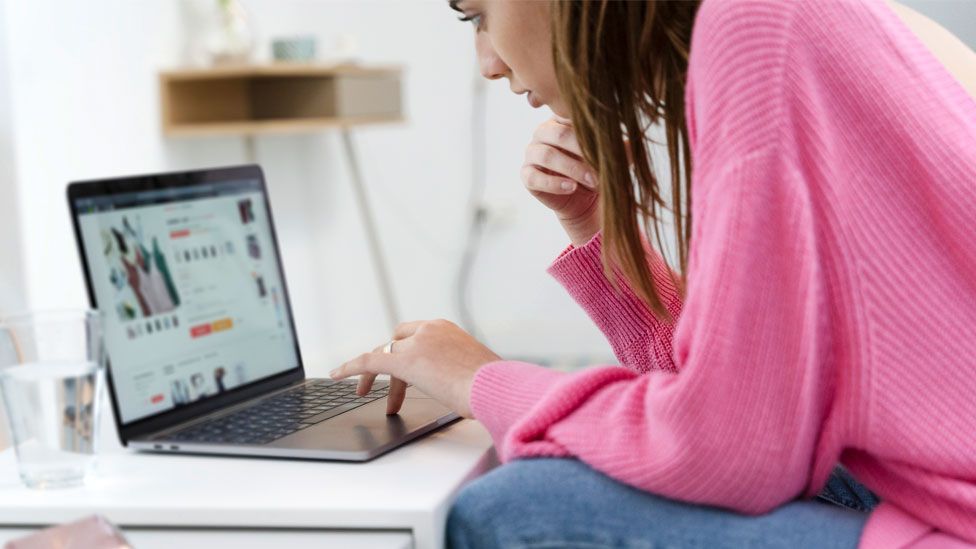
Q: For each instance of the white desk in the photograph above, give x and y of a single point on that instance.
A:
(398, 500)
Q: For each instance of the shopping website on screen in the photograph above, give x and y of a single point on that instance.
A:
(189, 284)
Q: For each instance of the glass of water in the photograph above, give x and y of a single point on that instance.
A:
(51, 369)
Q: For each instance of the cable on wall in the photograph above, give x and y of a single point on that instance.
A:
(477, 213)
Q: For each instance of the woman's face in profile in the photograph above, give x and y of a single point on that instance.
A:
(513, 40)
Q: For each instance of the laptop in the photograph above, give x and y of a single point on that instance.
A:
(203, 357)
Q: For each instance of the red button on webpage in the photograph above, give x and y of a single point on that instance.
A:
(156, 399)
(179, 234)
(200, 331)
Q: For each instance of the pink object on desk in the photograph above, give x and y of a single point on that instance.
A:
(94, 532)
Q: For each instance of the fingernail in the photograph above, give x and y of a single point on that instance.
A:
(334, 373)
(590, 180)
(566, 186)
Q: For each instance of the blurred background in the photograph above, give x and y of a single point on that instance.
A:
(79, 99)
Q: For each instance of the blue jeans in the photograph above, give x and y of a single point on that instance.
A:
(550, 503)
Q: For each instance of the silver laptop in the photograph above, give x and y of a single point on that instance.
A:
(203, 355)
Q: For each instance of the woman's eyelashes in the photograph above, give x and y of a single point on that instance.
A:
(475, 19)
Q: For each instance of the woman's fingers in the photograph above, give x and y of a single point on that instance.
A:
(535, 179)
(366, 363)
(365, 383)
(398, 391)
(561, 120)
(557, 161)
(558, 134)
(406, 329)
(366, 380)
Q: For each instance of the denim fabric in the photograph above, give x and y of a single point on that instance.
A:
(550, 503)
(842, 489)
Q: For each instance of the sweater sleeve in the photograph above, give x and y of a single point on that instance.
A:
(640, 340)
(737, 427)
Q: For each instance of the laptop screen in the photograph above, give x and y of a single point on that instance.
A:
(190, 286)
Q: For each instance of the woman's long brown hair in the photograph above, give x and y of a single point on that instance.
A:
(622, 67)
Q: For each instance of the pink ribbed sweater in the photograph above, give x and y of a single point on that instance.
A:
(830, 313)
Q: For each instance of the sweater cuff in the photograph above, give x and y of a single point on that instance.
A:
(504, 391)
(618, 313)
(595, 241)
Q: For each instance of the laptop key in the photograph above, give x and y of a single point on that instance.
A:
(331, 413)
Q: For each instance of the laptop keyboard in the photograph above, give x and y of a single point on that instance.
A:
(272, 418)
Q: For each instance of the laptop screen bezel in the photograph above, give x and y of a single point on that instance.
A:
(140, 428)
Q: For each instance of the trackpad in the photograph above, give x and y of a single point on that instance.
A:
(368, 426)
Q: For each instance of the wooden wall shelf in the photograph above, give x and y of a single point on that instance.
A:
(277, 98)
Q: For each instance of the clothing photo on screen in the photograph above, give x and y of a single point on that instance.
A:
(246, 209)
(139, 273)
(219, 374)
(259, 281)
(253, 248)
(198, 387)
(179, 392)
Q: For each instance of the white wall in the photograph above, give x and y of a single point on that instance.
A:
(959, 16)
(11, 274)
(83, 83)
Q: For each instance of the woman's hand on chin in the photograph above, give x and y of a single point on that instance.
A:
(555, 173)
(435, 356)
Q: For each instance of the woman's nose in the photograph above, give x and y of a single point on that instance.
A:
(492, 67)
(490, 72)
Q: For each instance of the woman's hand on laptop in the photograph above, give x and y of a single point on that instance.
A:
(435, 356)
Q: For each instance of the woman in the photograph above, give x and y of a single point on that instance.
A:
(827, 311)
